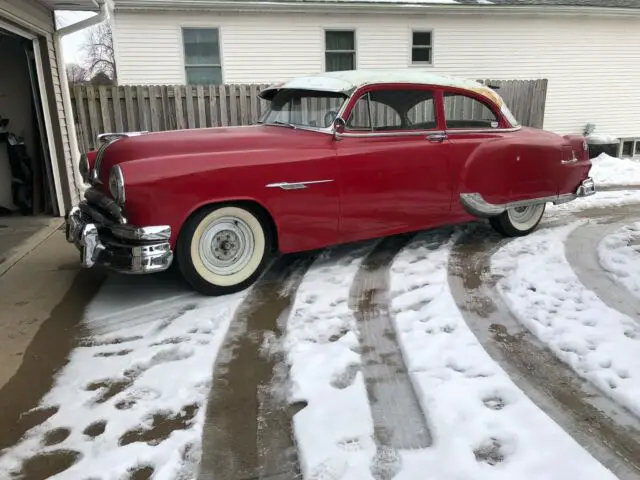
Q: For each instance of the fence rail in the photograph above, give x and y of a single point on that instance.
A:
(170, 107)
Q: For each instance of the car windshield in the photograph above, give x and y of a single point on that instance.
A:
(303, 108)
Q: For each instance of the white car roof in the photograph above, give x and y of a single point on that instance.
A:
(348, 80)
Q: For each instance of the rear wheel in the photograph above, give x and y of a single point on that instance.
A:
(223, 249)
(518, 221)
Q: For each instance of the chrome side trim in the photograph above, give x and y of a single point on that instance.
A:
(484, 130)
(295, 185)
(476, 205)
(404, 133)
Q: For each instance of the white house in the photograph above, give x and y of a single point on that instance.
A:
(589, 50)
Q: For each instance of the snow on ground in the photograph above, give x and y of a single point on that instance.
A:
(599, 200)
(333, 432)
(483, 426)
(607, 170)
(133, 397)
(619, 255)
(543, 292)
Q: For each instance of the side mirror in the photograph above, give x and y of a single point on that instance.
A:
(339, 126)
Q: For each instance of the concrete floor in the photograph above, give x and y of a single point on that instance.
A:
(19, 235)
(37, 268)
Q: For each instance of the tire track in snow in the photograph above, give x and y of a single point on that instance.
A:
(581, 250)
(247, 432)
(399, 423)
(613, 438)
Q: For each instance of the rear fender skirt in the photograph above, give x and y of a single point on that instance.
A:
(476, 205)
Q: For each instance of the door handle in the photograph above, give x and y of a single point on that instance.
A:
(437, 137)
(573, 159)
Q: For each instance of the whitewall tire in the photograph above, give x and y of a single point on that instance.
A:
(518, 221)
(224, 248)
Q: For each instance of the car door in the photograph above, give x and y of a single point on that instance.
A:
(394, 173)
(493, 158)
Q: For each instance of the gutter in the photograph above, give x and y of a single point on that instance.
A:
(102, 15)
(400, 7)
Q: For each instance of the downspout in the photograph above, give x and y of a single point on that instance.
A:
(102, 15)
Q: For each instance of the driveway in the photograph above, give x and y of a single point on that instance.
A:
(445, 354)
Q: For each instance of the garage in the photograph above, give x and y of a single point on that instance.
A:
(39, 179)
(27, 185)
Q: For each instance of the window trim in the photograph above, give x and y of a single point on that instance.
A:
(635, 143)
(365, 90)
(502, 125)
(324, 43)
(184, 53)
(431, 47)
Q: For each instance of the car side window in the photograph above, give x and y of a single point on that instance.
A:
(462, 111)
(393, 110)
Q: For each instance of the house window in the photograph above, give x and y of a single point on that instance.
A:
(202, 56)
(340, 50)
(422, 48)
(627, 148)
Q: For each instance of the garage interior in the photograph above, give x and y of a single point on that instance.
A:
(27, 193)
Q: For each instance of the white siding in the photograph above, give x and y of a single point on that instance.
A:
(28, 13)
(593, 64)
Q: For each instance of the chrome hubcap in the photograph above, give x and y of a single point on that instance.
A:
(524, 214)
(226, 246)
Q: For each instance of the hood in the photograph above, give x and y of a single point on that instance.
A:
(182, 143)
(218, 139)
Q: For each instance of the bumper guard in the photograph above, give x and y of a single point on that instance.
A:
(123, 248)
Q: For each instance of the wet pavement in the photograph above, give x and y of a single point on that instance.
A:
(247, 432)
(44, 358)
(582, 253)
(399, 423)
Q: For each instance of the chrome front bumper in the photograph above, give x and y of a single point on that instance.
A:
(122, 248)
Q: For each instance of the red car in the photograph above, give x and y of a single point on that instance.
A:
(338, 157)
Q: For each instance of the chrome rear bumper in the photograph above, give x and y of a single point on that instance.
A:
(586, 188)
(476, 205)
(122, 248)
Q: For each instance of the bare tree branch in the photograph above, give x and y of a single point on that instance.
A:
(76, 74)
(99, 53)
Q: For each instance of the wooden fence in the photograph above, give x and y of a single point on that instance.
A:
(171, 107)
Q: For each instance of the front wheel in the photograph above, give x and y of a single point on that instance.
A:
(518, 221)
(223, 249)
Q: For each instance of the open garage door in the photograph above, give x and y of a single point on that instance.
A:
(29, 179)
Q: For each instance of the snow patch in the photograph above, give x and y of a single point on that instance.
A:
(334, 430)
(597, 139)
(483, 426)
(607, 170)
(134, 398)
(543, 292)
(619, 255)
(599, 200)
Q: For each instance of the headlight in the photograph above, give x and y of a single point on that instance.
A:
(116, 185)
(84, 168)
